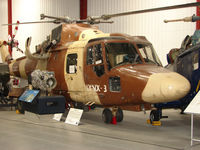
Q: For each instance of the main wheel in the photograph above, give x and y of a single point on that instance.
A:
(154, 116)
(119, 115)
(107, 115)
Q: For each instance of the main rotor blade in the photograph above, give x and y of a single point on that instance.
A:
(30, 23)
(61, 19)
(106, 17)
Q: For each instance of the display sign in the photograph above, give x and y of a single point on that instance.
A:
(74, 116)
(194, 106)
(57, 117)
(29, 95)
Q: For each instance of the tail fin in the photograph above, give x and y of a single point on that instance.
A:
(5, 55)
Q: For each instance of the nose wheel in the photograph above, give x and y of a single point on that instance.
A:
(154, 116)
(114, 116)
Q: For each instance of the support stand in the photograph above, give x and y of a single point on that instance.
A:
(193, 108)
(192, 130)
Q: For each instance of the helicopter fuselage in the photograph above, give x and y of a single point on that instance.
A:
(106, 69)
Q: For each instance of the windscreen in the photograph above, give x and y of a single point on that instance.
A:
(149, 54)
(120, 54)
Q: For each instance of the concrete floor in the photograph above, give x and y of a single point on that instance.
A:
(34, 132)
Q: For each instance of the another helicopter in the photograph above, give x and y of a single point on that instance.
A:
(185, 61)
(113, 70)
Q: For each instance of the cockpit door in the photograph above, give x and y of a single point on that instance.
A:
(94, 73)
(74, 75)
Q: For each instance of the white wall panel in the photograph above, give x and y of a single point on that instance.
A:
(3, 19)
(163, 36)
(30, 10)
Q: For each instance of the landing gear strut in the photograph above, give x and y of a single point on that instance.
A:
(116, 115)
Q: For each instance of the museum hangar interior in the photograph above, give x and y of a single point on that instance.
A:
(97, 74)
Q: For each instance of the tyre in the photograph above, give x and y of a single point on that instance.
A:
(119, 115)
(107, 115)
(154, 116)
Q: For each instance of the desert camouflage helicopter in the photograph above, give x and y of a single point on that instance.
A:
(113, 70)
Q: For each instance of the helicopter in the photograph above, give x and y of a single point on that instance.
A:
(185, 61)
(113, 70)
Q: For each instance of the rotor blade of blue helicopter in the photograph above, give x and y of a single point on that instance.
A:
(108, 16)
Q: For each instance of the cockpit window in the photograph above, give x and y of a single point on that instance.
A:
(94, 54)
(120, 54)
(149, 54)
(95, 59)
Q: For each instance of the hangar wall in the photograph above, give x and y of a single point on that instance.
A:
(30, 10)
(163, 36)
(3, 19)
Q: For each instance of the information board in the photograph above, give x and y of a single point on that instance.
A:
(57, 117)
(29, 95)
(74, 116)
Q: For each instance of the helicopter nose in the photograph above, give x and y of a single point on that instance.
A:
(165, 87)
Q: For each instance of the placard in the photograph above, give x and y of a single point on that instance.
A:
(72, 69)
(194, 106)
(74, 116)
(57, 117)
(29, 95)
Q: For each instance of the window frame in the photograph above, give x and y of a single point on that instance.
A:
(73, 70)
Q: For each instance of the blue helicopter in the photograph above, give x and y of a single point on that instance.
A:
(185, 61)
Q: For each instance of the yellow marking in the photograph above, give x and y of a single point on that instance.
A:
(22, 68)
(197, 89)
(17, 111)
(154, 123)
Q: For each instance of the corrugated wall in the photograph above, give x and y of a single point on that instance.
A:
(3, 19)
(163, 36)
(30, 10)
